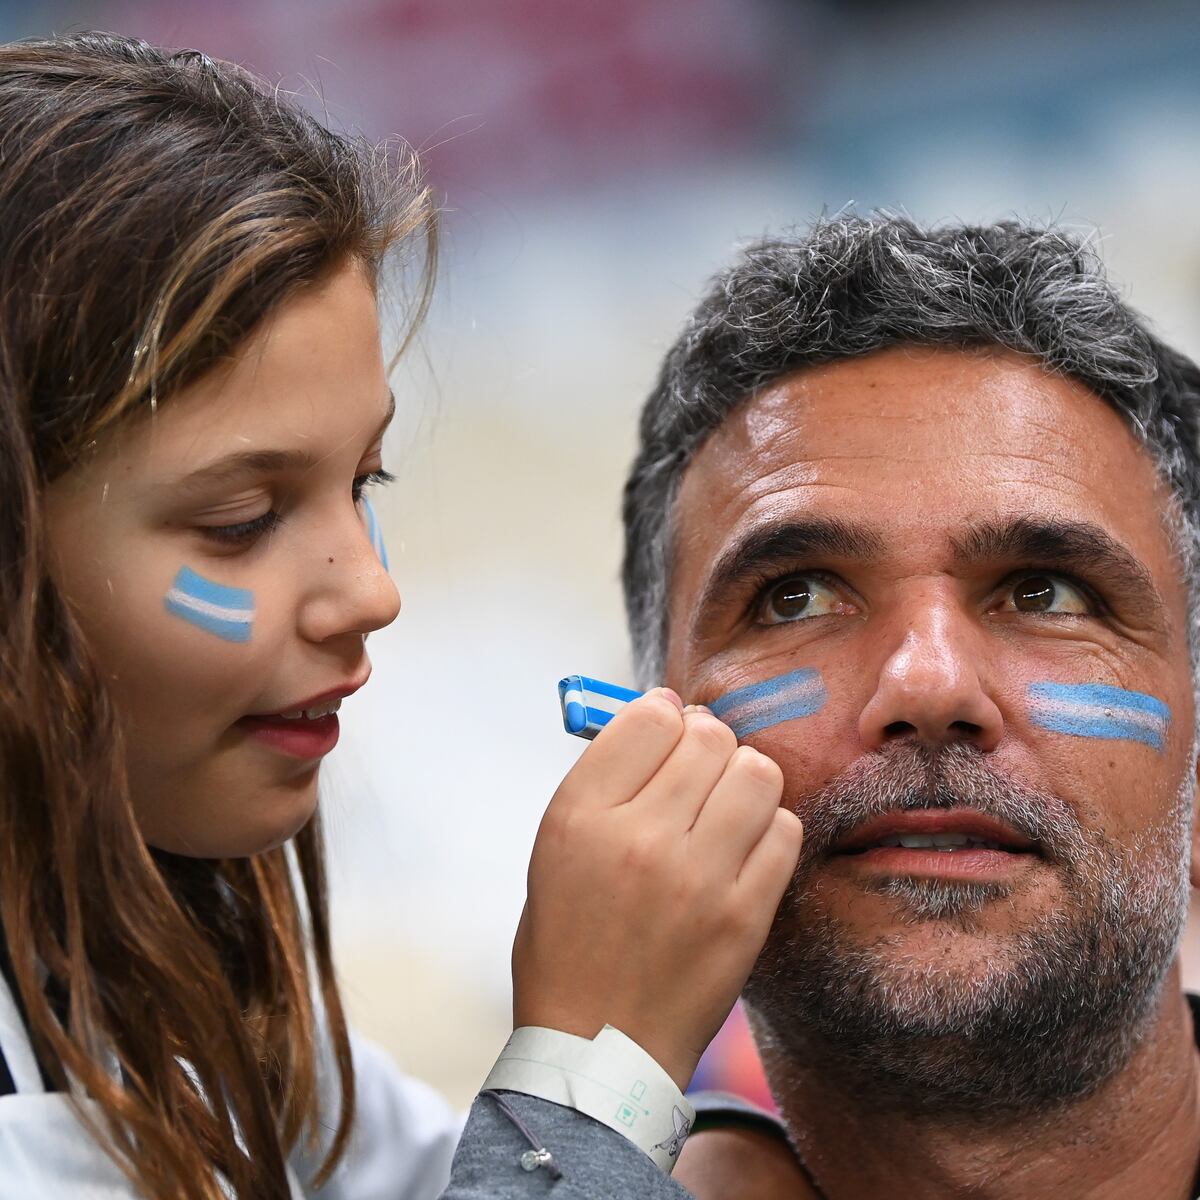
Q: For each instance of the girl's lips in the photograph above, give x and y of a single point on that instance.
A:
(300, 738)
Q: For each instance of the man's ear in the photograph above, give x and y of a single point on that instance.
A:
(1195, 871)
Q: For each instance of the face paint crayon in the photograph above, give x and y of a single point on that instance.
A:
(1094, 710)
(781, 698)
(589, 704)
(225, 612)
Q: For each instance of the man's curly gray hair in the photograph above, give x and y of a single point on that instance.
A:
(852, 285)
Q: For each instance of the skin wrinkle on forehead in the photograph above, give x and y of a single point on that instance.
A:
(709, 504)
(778, 416)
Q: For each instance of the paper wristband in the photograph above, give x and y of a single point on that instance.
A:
(610, 1079)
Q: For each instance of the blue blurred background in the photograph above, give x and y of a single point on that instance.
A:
(597, 161)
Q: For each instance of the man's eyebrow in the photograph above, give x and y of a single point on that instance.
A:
(249, 462)
(766, 547)
(1054, 542)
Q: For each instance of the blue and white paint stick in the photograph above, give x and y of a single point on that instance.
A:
(226, 612)
(1094, 710)
(375, 531)
(783, 698)
(589, 704)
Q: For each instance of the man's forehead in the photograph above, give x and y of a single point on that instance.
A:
(927, 431)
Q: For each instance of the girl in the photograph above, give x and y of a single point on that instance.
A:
(192, 405)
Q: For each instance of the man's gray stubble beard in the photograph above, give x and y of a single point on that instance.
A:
(1043, 1021)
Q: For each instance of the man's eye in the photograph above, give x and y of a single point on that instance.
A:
(796, 599)
(1046, 594)
(244, 531)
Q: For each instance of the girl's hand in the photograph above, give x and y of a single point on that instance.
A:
(656, 873)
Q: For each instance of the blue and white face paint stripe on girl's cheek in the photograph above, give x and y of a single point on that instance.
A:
(375, 530)
(1094, 710)
(226, 612)
(761, 705)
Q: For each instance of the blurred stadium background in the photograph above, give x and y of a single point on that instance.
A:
(597, 162)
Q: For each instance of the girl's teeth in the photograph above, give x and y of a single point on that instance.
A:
(312, 714)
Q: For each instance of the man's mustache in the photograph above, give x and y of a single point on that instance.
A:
(906, 776)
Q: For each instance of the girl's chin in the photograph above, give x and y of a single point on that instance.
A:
(229, 834)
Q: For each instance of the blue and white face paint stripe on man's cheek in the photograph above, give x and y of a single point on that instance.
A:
(375, 530)
(226, 612)
(1094, 710)
(761, 705)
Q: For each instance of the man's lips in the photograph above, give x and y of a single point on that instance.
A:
(947, 844)
(935, 828)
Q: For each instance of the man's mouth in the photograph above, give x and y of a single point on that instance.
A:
(942, 843)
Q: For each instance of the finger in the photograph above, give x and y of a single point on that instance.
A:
(681, 787)
(771, 865)
(740, 808)
(626, 753)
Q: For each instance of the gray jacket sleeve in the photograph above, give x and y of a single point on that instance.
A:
(593, 1162)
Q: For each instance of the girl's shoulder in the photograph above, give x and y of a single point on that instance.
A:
(404, 1137)
(45, 1150)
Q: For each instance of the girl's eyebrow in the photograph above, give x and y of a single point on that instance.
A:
(246, 462)
(250, 462)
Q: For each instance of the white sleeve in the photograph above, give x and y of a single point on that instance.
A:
(403, 1140)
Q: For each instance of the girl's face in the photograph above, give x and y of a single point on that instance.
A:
(219, 559)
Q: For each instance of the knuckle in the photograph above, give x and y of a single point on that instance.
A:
(656, 714)
(710, 734)
(643, 852)
(732, 921)
(758, 769)
(559, 827)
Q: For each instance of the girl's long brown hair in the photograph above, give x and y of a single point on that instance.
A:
(154, 208)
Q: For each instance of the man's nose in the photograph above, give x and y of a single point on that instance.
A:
(931, 683)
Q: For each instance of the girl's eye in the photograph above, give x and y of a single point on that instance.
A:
(244, 531)
(796, 599)
(362, 482)
(1046, 594)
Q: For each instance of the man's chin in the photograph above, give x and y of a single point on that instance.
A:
(874, 902)
(922, 944)
(949, 996)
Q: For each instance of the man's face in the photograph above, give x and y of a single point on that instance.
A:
(938, 533)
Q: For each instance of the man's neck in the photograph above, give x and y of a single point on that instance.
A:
(1139, 1135)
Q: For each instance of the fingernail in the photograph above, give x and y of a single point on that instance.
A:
(698, 708)
(673, 697)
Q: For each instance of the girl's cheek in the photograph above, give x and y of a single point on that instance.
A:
(214, 608)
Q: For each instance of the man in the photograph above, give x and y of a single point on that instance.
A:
(923, 508)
